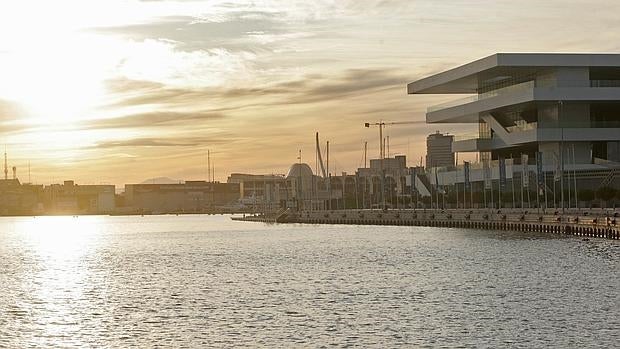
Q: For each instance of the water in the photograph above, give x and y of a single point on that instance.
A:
(200, 281)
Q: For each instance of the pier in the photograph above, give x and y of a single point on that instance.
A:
(584, 223)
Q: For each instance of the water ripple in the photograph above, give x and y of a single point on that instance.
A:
(200, 281)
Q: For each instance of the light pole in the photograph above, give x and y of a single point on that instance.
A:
(381, 157)
(560, 109)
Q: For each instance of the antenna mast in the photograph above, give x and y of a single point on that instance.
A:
(6, 166)
(365, 152)
(318, 150)
(209, 165)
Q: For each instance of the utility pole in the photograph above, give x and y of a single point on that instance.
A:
(6, 166)
(560, 107)
(512, 180)
(523, 174)
(456, 182)
(364, 179)
(538, 155)
(299, 185)
(545, 180)
(329, 184)
(575, 177)
(365, 153)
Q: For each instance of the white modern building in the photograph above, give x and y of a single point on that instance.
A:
(556, 106)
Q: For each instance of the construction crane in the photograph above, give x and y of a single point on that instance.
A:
(382, 125)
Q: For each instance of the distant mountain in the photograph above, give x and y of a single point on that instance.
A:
(162, 180)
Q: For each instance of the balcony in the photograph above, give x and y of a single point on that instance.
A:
(467, 110)
(479, 97)
(471, 143)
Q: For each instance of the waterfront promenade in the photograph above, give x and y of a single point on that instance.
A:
(599, 223)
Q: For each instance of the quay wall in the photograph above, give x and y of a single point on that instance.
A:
(586, 223)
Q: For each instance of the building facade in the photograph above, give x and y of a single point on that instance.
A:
(20, 199)
(70, 198)
(188, 197)
(260, 192)
(439, 150)
(554, 114)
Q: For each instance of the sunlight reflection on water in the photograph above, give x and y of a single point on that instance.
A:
(196, 281)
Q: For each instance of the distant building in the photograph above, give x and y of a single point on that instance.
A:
(67, 198)
(439, 150)
(395, 163)
(70, 198)
(191, 196)
(20, 199)
(300, 187)
(260, 191)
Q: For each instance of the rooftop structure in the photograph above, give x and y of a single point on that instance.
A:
(525, 103)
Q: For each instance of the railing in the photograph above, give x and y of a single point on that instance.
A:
(466, 137)
(524, 86)
(604, 83)
(581, 124)
(486, 95)
(577, 83)
(525, 126)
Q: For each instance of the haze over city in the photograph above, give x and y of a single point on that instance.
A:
(121, 91)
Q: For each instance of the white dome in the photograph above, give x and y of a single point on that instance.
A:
(298, 170)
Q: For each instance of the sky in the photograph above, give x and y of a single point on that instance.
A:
(120, 91)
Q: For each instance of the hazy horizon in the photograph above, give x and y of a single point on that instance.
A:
(122, 91)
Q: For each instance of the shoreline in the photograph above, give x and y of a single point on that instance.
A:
(585, 223)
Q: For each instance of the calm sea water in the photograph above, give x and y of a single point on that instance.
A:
(206, 281)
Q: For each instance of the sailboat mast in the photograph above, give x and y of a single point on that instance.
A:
(209, 165)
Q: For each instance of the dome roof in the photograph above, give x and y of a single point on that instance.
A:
(302, 170)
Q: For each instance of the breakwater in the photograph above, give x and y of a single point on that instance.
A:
(586, 223)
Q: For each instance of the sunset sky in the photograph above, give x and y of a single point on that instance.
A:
(117, 92)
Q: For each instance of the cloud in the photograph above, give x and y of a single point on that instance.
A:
(313, 88)
(164, 62)
(10, 111)
(158, 142)
(233, 30)
(154, 119)
(11, 116)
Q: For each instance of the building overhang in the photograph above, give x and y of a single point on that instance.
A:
(503, 66)
(470, 111)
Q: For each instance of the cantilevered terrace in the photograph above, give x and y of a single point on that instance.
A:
(525, 103)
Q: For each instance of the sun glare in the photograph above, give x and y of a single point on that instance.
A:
(60, 87)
